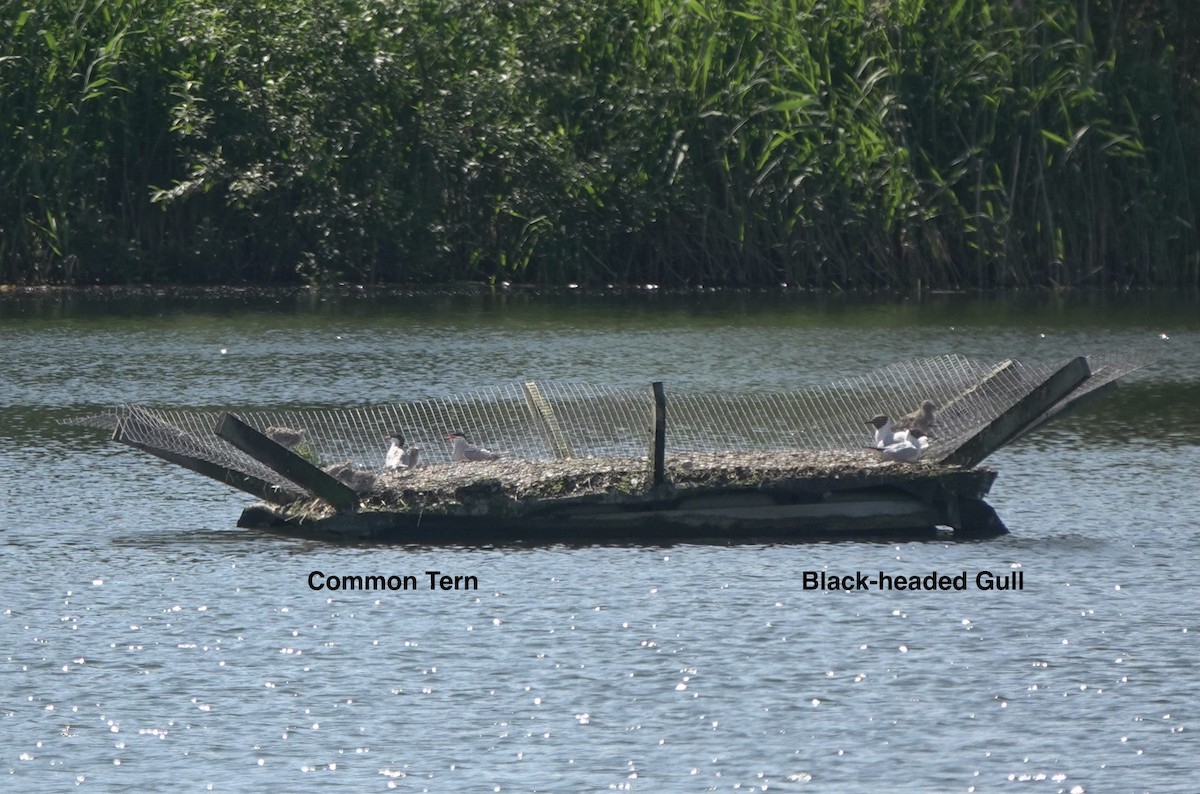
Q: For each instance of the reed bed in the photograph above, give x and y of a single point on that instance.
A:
(819, 143)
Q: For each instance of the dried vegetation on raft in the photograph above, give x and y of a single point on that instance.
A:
(510, 486)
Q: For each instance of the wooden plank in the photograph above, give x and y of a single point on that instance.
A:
(659, 444)
(1067, 405)
(540, 407)
(243, 482)
(286, 463)
(756, 517)
(1004, 428)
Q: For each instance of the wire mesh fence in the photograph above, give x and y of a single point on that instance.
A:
(556, 420)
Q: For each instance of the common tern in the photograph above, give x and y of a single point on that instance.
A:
(399, 456)
(464, 450)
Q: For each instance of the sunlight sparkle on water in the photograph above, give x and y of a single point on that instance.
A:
(169, 539)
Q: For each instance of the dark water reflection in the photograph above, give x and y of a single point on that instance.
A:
(147, 642)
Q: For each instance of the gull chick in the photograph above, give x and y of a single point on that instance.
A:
(920, 419)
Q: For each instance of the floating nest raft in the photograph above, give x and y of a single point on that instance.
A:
(586, 463)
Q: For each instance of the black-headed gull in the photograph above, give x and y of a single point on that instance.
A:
(908, 450)
(884, 435)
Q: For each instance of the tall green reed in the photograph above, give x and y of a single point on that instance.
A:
(822, 143)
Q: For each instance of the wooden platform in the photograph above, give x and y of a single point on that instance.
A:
(888, 498)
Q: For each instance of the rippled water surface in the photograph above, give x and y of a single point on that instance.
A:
(147, 643)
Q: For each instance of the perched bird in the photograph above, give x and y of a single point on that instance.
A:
(920, 419)
(908, 450)
(464, 450)
(399, 457)
(884, 435)
(285, 436)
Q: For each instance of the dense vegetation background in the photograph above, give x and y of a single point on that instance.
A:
(828, 143)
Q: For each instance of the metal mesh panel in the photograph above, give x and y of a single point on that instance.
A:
(544, 421)
(188, 433)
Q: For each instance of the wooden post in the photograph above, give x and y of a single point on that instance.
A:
(541, 409)
(1007, 425)
(243, 482)
(659, 444)
(286, 463)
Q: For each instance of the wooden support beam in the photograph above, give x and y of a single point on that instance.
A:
(243, 482)
(1076, 399)
(659, 444)
(1007, 425)
(541, 409)
(286, 463)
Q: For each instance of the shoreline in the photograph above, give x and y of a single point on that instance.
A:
(413, 289)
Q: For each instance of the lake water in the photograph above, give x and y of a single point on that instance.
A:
(147, 643)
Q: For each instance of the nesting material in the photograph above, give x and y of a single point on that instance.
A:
(504, 486)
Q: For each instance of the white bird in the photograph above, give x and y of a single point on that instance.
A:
(908, 450)
(884, 434)
(464, 450)
(920, 419)
(398, 457)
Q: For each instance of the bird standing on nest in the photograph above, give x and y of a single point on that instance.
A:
(463, 450)
(920, 419)
(399, 456)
